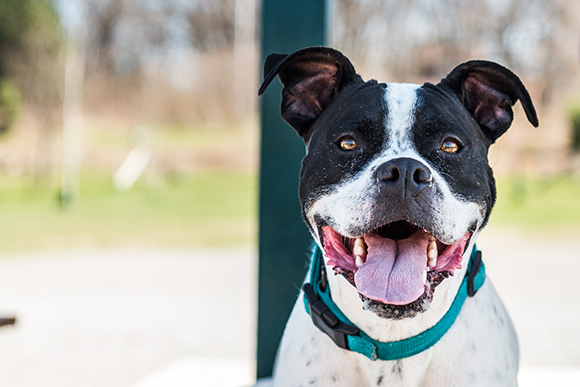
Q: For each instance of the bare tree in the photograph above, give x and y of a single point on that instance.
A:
(103, 18)
(211, 24)
(423, 38)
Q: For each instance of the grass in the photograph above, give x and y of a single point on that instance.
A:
(216, 208)
(549, 205)
(206, 209)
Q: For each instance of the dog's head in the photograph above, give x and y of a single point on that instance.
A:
(395, 180)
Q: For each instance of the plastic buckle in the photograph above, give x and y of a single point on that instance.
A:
(473, 271)
(327, 321)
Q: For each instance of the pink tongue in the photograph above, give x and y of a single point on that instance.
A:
(393, 271)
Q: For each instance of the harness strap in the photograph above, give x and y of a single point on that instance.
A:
(328, 317)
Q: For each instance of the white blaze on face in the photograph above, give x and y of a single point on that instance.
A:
(401, 99)
(350, 205)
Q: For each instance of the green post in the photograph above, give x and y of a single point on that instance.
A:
(283, 237)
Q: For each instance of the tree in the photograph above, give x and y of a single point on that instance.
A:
(417, 38)
(30, 69)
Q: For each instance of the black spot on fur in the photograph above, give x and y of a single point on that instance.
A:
(473, 348)
(398, 369)
(380, 380)
(313, 382)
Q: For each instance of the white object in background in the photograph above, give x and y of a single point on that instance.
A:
(133, 167)
(73, 107)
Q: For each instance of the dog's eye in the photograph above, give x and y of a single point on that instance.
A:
(348, 143)
(449, 146)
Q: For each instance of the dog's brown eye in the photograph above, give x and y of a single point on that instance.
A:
(449, 146)
(348, 143)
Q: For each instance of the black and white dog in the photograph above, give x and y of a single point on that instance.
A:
(395, 188)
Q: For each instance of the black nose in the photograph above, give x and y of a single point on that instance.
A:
(404, 175)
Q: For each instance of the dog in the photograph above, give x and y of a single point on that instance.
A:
(395, 188)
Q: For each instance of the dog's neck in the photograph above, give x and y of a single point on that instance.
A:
(346, 297)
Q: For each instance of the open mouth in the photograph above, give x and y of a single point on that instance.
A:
(396, 264)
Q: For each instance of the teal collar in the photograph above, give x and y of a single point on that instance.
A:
(330, 319)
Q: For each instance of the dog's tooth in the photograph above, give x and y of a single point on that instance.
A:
(432, 262)
(432, 254)
(432, 250)
(424, 276)
(359, 249)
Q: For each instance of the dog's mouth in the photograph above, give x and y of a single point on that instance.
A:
(396, 264)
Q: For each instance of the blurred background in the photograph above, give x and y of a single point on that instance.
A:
(128, 177)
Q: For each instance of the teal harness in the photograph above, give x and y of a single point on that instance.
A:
(330, 319)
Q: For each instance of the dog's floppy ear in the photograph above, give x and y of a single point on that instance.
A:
(312, 78)
(488, 91)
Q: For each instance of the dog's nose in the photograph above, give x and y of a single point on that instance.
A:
(404, 174)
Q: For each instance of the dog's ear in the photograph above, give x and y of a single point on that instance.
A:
(312, 78)
(488, 91)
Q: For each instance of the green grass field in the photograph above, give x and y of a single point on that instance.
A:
(217, 209)
(539, 205)
(206, 209)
